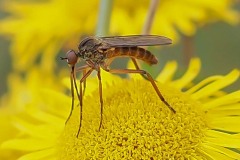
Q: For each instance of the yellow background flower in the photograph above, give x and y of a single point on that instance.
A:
(45, 27)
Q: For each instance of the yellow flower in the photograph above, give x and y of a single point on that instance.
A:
(171, 16)
(136, 124)
(42, 27)
(45, 27)
(22, 90)
(8, 131)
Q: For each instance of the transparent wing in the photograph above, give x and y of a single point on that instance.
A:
(134, 40)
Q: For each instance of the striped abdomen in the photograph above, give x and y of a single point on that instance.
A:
(135, 52)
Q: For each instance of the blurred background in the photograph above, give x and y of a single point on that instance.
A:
(35, 33)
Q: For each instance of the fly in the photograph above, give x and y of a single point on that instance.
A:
(99, 52)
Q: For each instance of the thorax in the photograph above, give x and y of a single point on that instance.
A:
(95, 56)
(89, 51)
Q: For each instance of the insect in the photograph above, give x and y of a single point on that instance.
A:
(99, 52)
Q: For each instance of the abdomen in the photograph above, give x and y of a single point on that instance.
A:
(135, 52)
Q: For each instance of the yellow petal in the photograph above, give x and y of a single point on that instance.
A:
(230, 98)
(191, 73)
(223, 150)
(45, 117)
(168, 72)
(224, 112)
(49, 154)
(226, 107)
(27, 144)
(203, 83)
(214, 155)
(34, 130)
(217, 85)
(62, 100)
(230, 124)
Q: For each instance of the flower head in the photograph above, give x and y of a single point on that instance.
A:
(139, 126)
(136, 124)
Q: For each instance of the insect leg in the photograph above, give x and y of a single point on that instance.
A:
(84, 69)
(74, 85)
(137, 67)
(81, 106)
(124, 71)
(84, 82)
(100, 95)
(72, 93)
(81, 98)
(109, 61)
(135, 63)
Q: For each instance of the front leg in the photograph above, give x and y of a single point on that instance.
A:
(82, 80)
(74, 86)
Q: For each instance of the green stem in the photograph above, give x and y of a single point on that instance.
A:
(105, 10)
(150, 16)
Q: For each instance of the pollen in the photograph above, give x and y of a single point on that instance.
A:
(136, 125)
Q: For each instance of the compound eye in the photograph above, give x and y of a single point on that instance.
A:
(72, 58)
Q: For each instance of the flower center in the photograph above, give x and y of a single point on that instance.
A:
(136, 125)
